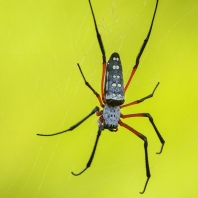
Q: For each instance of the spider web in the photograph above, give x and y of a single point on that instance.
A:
(42, 91)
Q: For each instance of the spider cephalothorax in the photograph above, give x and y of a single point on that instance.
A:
(113, 96)
(109, 118)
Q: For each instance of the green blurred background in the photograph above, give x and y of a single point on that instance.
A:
(42, 91)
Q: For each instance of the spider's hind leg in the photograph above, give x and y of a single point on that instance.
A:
(90, 87)
(142, 99)
(141, 49)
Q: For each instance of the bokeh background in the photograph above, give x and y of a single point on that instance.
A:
(42, 91)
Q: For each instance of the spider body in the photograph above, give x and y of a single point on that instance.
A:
(114, 84)
(113, 97)
(109, 118)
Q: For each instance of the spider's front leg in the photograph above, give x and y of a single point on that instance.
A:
(151, 121)
(92, 154)
(145, 150)
(95, 110)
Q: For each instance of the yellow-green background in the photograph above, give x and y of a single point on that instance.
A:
(42, 92)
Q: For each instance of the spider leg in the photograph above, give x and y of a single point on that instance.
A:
(98, 34)
(141, 50)
(151, 121)
(92, 154)
(102, 51)
(75, 125)
(145, 150)
(140, 100)
(90, 87)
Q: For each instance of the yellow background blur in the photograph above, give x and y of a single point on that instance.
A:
(42, 91)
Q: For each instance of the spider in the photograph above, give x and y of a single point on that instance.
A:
(113, 97)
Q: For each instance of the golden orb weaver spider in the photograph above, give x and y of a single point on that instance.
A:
(113, 97)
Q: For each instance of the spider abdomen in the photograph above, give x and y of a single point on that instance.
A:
(114, 85)
(111, 116)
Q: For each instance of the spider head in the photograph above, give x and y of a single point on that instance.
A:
(110, 117)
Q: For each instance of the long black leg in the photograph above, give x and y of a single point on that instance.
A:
(90, 87)
(98, 34)
(102, 51)
(74, 126)
(141, 49)
(153, 124)
(148, 174)
(140, 100)
(92, 154)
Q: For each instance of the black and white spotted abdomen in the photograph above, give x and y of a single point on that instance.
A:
(114, 85)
